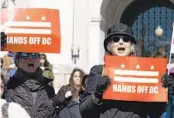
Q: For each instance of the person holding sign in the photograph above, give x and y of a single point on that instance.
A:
(118, 42)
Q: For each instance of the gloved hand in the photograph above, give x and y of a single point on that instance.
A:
(98, 69)
(102, 85)
(3, 40)
(168, 82)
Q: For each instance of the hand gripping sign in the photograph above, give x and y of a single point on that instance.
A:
(32, 30)
(135, 78)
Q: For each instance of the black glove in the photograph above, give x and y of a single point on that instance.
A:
(98, 69)
(3, 39)
(168, 82)
(102, 85)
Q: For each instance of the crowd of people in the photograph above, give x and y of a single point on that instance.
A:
(27, 86)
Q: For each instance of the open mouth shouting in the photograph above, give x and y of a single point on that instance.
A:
(31, 67)
(121, 50)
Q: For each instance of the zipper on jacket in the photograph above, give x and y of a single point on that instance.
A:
(34, 96)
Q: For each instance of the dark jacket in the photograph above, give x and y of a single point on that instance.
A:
(99, 108)
(70, 111)
(170, 108)
(32, 92)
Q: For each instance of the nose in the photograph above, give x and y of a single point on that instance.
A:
(30, 57)
(121, 41)
(77, 78)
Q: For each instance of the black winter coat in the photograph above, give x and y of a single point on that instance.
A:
(70, 111)
(32, 92)
(93, 107)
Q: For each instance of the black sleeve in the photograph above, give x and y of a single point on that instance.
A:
(50, 91)
(59, 99)
(93, 78)
(9, 95)
(159, 109)
(89, 104)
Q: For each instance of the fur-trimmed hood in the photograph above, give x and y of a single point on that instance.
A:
(13, 110)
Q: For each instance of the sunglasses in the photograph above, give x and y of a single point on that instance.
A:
(33, 55)
(117, 38)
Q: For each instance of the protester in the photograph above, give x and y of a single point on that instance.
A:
(84, 92)
(168, 83)
(75, 81)
(47, 68)
(10, 110)
(76, 78)
(73, 90)
(71, 108)
(30, 88)
(8, 63)
(118, 42)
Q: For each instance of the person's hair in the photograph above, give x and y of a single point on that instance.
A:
(46, 63)
(84, 82)
(133, 51)
(82, 74)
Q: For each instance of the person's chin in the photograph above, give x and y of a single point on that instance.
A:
(31, 70)
(121, 54)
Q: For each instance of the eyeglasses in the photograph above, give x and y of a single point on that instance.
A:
(33, 55)
(117, 38)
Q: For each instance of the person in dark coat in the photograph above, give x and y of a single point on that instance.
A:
(30, 88)
(77, 81)
(71, 108)
(119, 42)
(168, 82)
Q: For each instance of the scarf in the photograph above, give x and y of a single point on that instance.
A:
(30, 81)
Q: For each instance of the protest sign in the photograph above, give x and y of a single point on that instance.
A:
(32, 30)
(135, 78)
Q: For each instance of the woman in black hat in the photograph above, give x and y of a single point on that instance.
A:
(119, 42)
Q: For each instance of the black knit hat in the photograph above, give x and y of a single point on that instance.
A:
(118, 29)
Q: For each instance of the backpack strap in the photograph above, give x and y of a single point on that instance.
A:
(4, 109)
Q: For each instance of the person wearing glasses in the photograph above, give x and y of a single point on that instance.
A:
(29, 87)
(119, 41)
